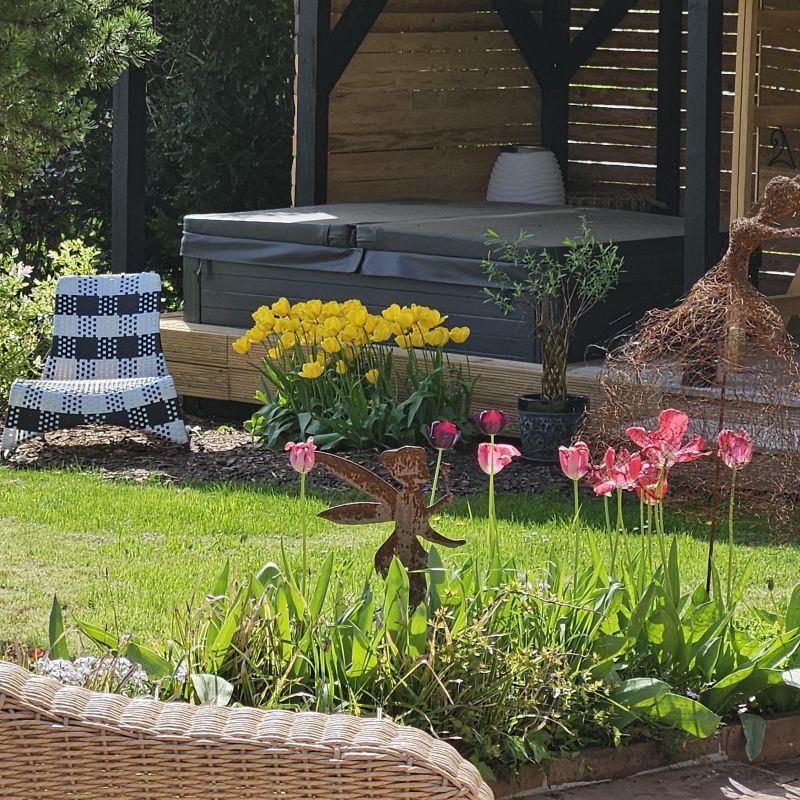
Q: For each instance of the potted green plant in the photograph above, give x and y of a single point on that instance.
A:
(553, 289)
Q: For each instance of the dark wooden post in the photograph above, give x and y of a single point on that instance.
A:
(312, 35)
(128, 172)
(704, 131)
(668, 134)
(556, 15)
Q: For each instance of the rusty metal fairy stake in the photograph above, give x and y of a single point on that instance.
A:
(405, 506)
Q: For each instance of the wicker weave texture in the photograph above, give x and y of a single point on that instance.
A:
(58, 741)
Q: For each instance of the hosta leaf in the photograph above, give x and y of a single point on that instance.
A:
(754, 728)
(98, 635)
(686, 714)
(151, 662)
(211, 690)
(639, 692)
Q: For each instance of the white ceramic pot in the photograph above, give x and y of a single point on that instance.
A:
(524, 174)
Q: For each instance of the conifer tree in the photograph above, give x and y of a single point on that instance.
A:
(51, 50)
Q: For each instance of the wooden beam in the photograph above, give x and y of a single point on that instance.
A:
(129, 111)
(556, 18)
(704, 129)
(594, 33)
(668, 131)
(528, 37)
(312, 43)
(349, 33)
(746, 89)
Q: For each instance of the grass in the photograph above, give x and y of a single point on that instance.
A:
(126, 555)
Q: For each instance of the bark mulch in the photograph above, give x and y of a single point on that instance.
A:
(222, 453)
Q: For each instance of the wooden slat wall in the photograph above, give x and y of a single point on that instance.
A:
(438, 85)
(613, 105)
(779, 105)
(434, 90)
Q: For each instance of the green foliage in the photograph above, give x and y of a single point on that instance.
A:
(553, 289)
(510, 665)
(50, 50)
(329, 372)
(27, 305)
(220, 100)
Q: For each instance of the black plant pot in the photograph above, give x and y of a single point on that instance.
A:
(543, 427)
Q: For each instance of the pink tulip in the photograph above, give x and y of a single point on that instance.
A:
(575, 460)
(492, 458)
(302, 455)
(492, 422)
(665, 446)
(651, 486)
(618, 471)
(735, 448)
(443, 435)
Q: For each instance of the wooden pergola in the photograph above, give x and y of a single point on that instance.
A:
(552, 55)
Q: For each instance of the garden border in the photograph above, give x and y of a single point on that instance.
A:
(597, 765)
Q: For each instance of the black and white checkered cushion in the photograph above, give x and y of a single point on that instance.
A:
(106, 364)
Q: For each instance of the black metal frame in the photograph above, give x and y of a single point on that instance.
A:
(553, 58)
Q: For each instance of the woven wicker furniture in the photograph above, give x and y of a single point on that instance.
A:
(65, 742)
(105, 365)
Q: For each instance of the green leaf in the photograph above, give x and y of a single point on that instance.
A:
(151, 662)
(211, 690)
(754, 728)
(639, 692)
(791, 677)
(688, 715)
(221, 584)
(321, 589)
(98, 635)
(793, 610)
(58, 641)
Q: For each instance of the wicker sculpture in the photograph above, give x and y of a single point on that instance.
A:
(406, 507)
(724, 357)
(64, 742)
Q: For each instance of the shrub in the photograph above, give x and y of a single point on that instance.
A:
(27, 305)
(329, 372)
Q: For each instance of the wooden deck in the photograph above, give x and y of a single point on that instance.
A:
(203, 364)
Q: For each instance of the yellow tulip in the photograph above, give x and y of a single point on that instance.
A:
(331, 345)
(357, 316)
(275, 352)
(403, 341)
(416, 339)
(281, 307)
(313, 309)
(382, 332)
(341, 367)
(371, 323)
(330, 309)
(372, 376)
(405, 319)
(332, 326)
(288, 339)
(311, 370)
(242, 346)
(257, 333)
(459, 335)
(430, 318)
(437, 337)
(391, 313)
(263, 316)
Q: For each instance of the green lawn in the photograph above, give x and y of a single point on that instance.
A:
(125, 554)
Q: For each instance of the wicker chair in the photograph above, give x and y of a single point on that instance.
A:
(63, 742)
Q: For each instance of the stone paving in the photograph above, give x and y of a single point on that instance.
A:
(719, 780)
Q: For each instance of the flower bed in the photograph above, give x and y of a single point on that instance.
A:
(515, 663)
